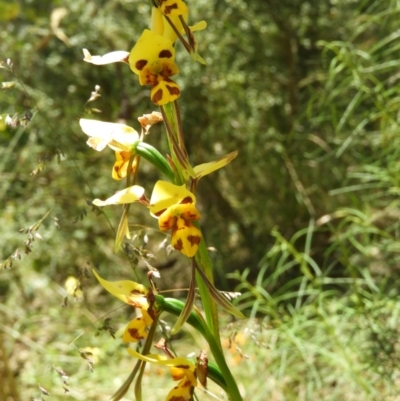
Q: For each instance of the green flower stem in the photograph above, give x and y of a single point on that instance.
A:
(175, 141)
(216, 376)
(175, 307)
(175, 136)
(183, 171)
(153, 156)
(138, 383)
(178, 127)
(210, 307)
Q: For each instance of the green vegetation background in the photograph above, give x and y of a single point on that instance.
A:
(305, 221)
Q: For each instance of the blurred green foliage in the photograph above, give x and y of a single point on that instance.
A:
(306, 219)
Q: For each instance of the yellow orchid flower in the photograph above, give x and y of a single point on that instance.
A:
(120, 168)
(180, 368)
(133, 294)
(153, 56)
(119, 137)
(152, 59)
(174, 206)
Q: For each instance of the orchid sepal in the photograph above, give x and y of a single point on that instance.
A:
(131, 194)
(108, 58)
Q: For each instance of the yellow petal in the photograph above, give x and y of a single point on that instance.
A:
(127, 291)
(135, 331)
(165, 91)
(97, 143)
(168, 219)
(166, 194)
(177, 373)
(120, 167)
(182, 392)
(157, 21)
(147, 318)
(178, 362)
(154, 72)
(119, 137)
(188, 211)
(199, 26)
(203, 169)
(149, 49)
(122, 232)
(113, 57)
(185, 237)
(127, 195)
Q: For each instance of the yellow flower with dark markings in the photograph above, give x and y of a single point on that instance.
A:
(175, 208)
(153, 56)
(153, 60)
(133, 294)
(181, 369)
(119, 137)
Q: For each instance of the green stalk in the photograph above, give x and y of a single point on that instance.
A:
(177, 146)
(175, 307)
(173, 143)
(210, 307)
(152, 155)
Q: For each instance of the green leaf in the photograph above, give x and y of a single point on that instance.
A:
(218, 297)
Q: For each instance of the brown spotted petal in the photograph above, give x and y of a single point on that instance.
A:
(185, 237)
(149, 50)
(173, 7)
(182, 392)
(166, 194)
(166, 221)
(135, 331)
(120, 168)
(165, 90)
(190, 212)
